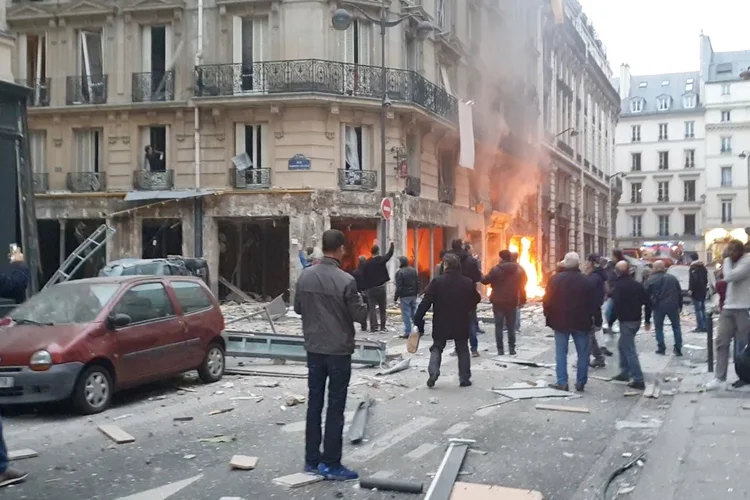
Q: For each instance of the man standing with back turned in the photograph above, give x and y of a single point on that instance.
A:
(376, 276)
(327, 299)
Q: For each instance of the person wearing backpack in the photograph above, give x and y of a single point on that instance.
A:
(666, 302)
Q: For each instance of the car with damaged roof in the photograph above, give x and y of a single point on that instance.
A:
(170, 266)
(83, 340)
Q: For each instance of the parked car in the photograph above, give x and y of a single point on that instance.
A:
(682, 273)
(171, 266)
(84, 340)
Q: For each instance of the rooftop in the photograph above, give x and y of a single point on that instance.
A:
(650, 90)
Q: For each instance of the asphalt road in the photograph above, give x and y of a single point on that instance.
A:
(563, 455)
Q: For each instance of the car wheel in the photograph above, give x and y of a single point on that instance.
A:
(212, 368)
(93, 391)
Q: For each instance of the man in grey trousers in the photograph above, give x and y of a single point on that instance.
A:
(734, 319)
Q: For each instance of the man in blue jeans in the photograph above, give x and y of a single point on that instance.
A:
(570, 307)
(327, 299)
(407, 289)
(666, 302)
(629, 298)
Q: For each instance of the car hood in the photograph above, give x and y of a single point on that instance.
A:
(19, 342)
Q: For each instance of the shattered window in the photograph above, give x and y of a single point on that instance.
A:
(71, 302)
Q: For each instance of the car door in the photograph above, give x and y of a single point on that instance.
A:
(196, 306)
(149, 346)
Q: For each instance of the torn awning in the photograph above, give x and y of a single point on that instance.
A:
(167, 195)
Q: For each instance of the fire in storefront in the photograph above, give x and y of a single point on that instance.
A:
(523, 246)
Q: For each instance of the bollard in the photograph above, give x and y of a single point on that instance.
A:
(710, 340)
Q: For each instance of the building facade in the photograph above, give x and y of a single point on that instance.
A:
(6, 48)
(660, 155)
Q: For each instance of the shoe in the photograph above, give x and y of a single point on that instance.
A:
(512, 351)
(580, 387)
(715, 384)
(311, 469)
(637, 385)
(382, 329)
(739, 383)
(501, 352)
(431, 381)
(606, 351)
(597, 363)
(559, 387)
(677, 352)
(621, 378)
(480, 331)
(465, 383)
(661, 352)
(12, 476)
(474, 354)
(337, 473)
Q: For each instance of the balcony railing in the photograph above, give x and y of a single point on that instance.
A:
(147, 180)
(156, 86)
(40, 95)
(357, 180)
(323, 77)
(446, 194)
(86, 90)
(41, 183)
(250, 178)
(86, 182)
(413, 186)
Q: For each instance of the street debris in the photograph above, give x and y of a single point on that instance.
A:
(619, 471)
(218, 439)
(628, 394)
(294, 400)
(116, 434)
(247, 398)
(654, 423)
(182, 419)
(652, 390)
(531, 392)
(398, 367)
(267, 383)
(471, 491)
(497, 403)
(243, 462)
(568, 455)
(186, 389)
(262, 373)
(385, 484)
(383, 381)
(122, 417)
(219, 412)
(625, 490)
(627, 455)
(189, 457)
(523, 362)
(603, 379)
(694, 347)
(447, 473)
(22, 454)
(432, 401)
(359, 421)
(297, 480)
(570, 409)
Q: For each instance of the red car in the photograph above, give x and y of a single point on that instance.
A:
(83, 340)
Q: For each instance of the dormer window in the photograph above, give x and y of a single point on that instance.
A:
(664, 83)
(636, 105)
(689, 101)
(664, 103)
(643, 85)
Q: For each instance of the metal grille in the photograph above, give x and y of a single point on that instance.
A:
(146, 180)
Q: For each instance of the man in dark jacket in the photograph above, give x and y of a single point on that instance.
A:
(611, 274)
(470, 269)
(698, 288)
(452, 297)
(506, 280)
(407, 289)
(375, 277)
(629, 298)
(570, 306)
(666, 302)
(329, 304)
(360, 279)
(598, 280)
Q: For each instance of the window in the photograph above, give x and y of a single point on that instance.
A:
(643, 85)
(726, 176)
(664, 225)
(726, 210)
(690, 190)
(636, 225)
(250, 47)
(636, 105)
(635, 133)
(147, 302)
(663, 160)
(689, 224)
(87, 155)
(635, 162)
(38, 149)
(251, 140)
(92, 87)
(664, 103)
(663, 191)
(726, 116)
(156, 57)
(156, 137)
(191, 297)
(689, 88)
(726, 89)
(665, 83)
(689, 101)
(636, 190)
(663, 131)
(726, 144)
(689, 158)
(414, 55)
(689, 130)
(33, 71)
(356, 149)
(443, 14)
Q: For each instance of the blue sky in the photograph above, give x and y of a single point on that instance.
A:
(661, 36)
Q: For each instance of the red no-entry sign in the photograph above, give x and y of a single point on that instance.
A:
(386, 208)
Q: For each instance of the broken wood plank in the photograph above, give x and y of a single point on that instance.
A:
(116, 434)
(297, 480)
(186, 389)
(245, 297)
(631, 393)
(219, 412)
(469, 491)
(22, 454)
(243, 462)
(571, 409)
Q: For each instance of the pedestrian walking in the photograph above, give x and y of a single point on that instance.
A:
(698, 289)
(359, 277)
(666, 302)
(734, 319)
(611, 274)
(375, 277)
(327, 299)
(506, 280)
(598, 281)
(469, 267)
(525, 280)
(570, 308)
(629, 299)
(452, 297)
(407, 290)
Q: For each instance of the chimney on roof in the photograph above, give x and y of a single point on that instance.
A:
(624, 81)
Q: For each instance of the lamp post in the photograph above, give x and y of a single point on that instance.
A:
(610, 222)
(572, 130)
(342, 20)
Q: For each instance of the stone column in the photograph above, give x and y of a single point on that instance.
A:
(212, 250)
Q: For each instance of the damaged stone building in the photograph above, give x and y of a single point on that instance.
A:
(263, 127)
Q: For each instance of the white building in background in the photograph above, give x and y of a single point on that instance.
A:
(6, 47)
(660, 155)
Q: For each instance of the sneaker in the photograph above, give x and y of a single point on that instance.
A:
(474, 354)
(12, 476)
(311, 469)
(637, 385)
(465, 383)
(337, 473)
(606, 351)
(621, 378)
(597, 363)
(559, 387)
(677, 352)
(661, 352)
(431, 381)
(580, 387)
(715, 384)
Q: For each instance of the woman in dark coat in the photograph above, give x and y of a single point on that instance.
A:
(452, 297)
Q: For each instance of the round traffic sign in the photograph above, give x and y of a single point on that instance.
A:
(386, 208)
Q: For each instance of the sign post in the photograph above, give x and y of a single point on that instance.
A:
(386, 208)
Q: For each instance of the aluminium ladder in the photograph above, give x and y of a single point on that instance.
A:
(85, 250)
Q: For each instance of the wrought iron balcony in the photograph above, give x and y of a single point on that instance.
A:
(413, 186)
(156, 86)
(323, 77)
(250, 178)
(40, 95)
(357, 180)
(446, 194)
(86, 182)
(148, 180)
(86, 90)
(41, 183)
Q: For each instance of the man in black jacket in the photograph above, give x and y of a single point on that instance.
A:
(375, 277)
(407, 289)
(507, 282)
(470, 268)
(329, 304)
(570, 306)
(698, 288)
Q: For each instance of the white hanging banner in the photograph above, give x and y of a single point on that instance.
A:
(466, 133)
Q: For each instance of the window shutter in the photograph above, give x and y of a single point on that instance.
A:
(236, 40)
(168, 50)
(260, 39)
(38, 149)
(146, 49)
(239, 138)
(345, 40)
(262, 131)
(365, 43)
(366, 148)
(23, 56)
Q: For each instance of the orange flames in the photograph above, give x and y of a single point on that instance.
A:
(534, 290)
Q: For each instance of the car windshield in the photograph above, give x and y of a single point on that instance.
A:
(70, 302)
